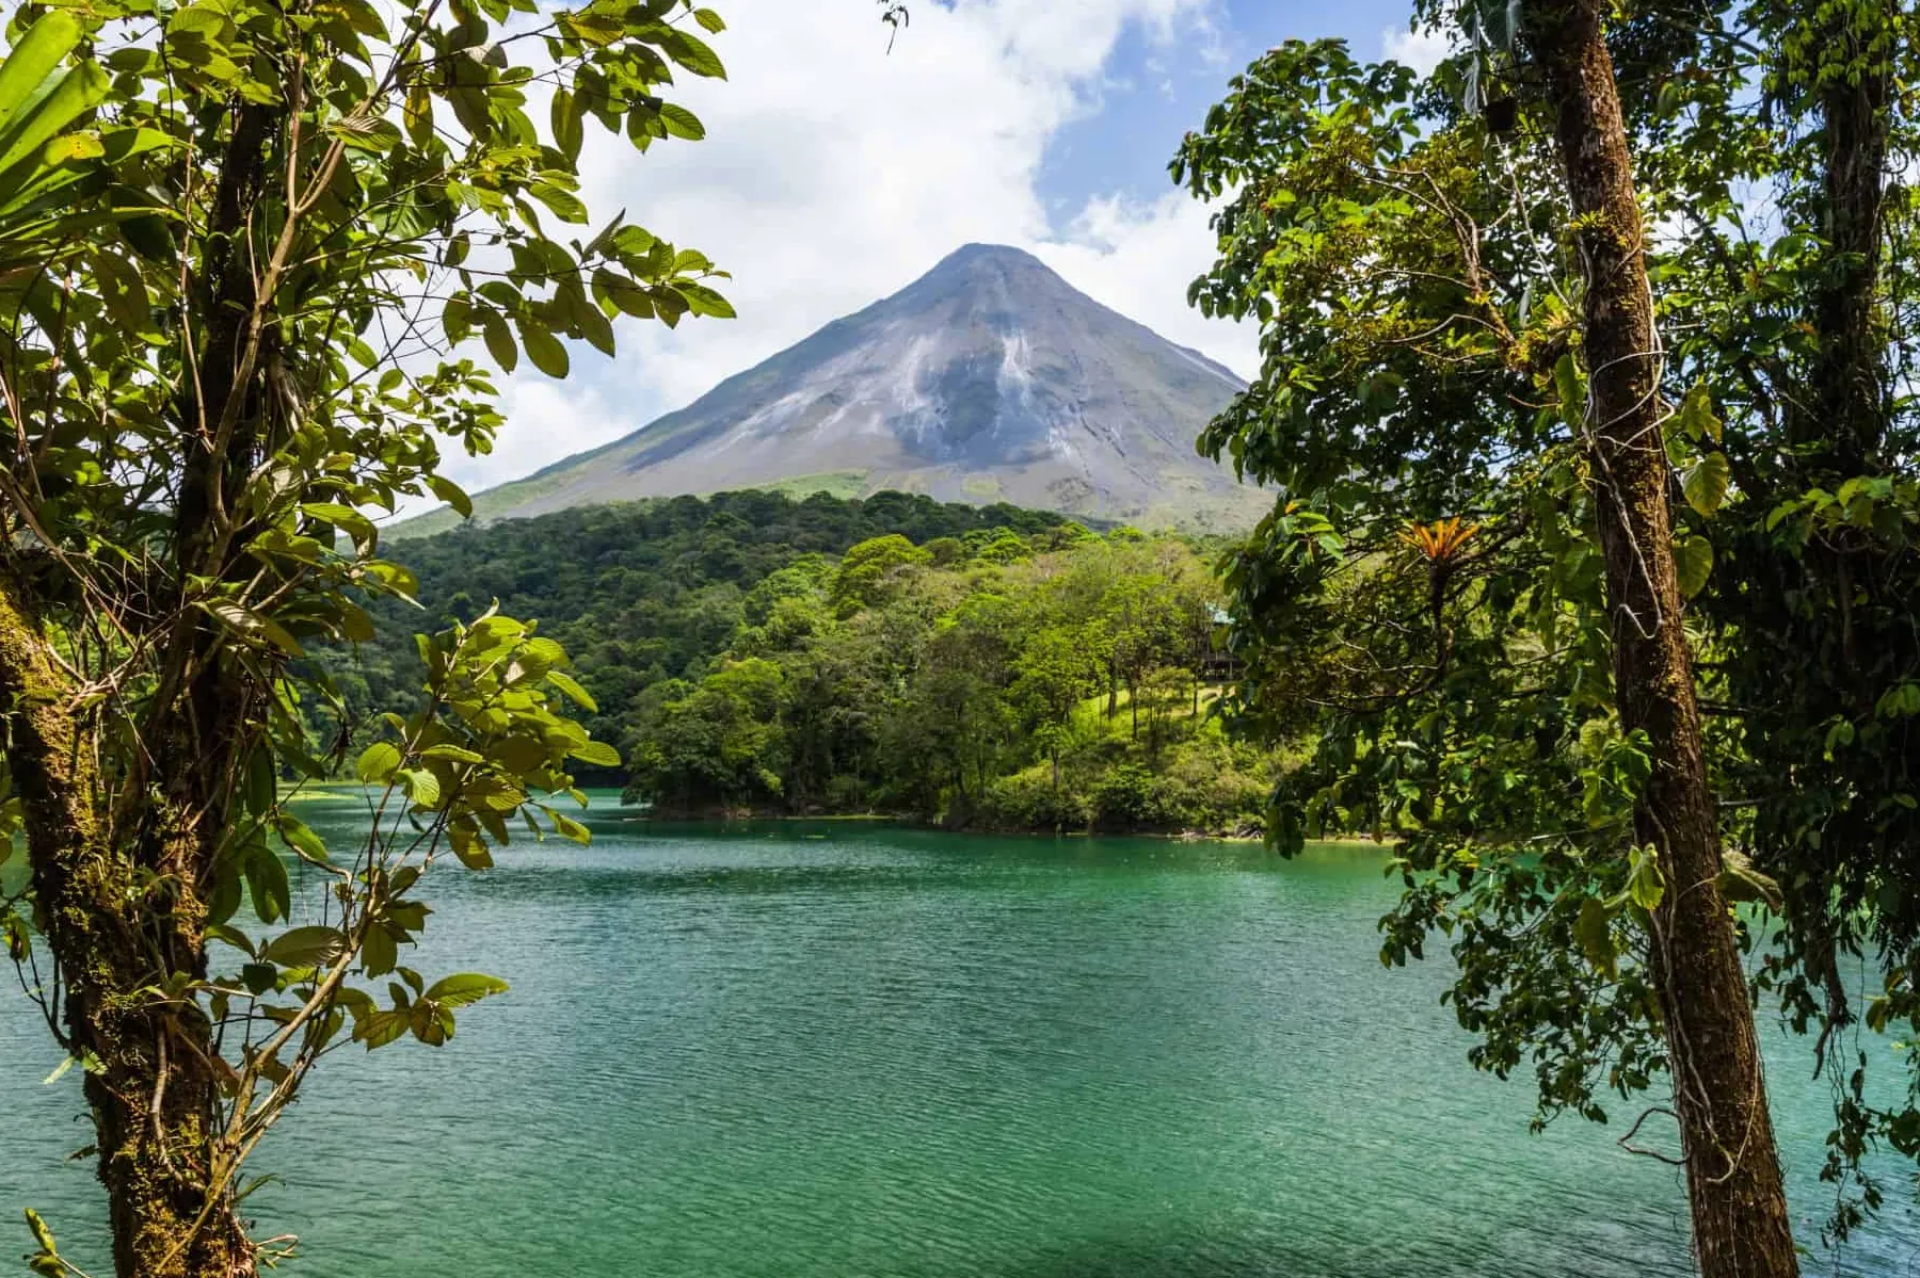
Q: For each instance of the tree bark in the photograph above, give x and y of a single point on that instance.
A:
(1738, 1203)
(1849, 414)
(153, 1081)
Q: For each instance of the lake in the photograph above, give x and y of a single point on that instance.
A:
(855, 1051)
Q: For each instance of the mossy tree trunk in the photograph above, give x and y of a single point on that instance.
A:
(119, 925)
(1737, 1200)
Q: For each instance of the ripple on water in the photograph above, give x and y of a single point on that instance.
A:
(885, 1054)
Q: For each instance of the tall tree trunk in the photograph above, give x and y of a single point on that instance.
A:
(1848, 416)
(120, 882)
(1739, 1209)
(1839, 430)
(152, 1080)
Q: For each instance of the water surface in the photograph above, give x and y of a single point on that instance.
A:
(850, 1051)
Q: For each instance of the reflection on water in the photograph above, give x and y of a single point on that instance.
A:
(851, 1051)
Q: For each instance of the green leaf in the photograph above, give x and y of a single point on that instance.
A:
(40, 51)
(262, 783)
(682, 123)
(267, 884)
(566, 119)
(421, 785)
(31, 114)
(710, 20)
(593, 28)
(499, 341)
(692, 53)
(150, 236)
(47, 1261)
(574, 692)
(567, 827)
(598, 753)
(452, 494)
(381, 1029)
(624, 293)
(71, 147)
(355, 624)
(546, 351)
(565, 205)
(124, 293)
(634, 241)
(230, 936)
(1571, 386)
(464, 989)
(469, 846)
(1593, 930)
(1645, 883)
(305, 947)
(378, 952)
(345, 518)
(253, 626)
(1697, 421)
(702, 300)
(1693, 561)
(1900, 701)
(377, 763)
(1705, 484)
(301, 838)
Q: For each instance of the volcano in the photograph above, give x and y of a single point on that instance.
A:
(988, 379)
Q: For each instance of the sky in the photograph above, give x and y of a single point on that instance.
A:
(836, 171)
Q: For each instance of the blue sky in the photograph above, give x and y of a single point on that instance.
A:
(835, 172)
(1155, 90)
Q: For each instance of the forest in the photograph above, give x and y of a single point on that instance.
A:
(637, 592)
(751, 653)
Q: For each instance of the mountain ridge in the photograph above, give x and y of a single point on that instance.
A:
(989, 378)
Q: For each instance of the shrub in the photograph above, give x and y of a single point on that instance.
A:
(1130, 796)
(1030, 799)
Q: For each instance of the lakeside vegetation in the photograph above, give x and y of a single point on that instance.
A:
(754, 653)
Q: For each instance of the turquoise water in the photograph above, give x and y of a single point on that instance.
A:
(859, 1052)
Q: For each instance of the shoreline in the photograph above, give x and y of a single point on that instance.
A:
(751, 817)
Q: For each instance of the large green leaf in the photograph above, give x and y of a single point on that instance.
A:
(73, 95)
(1705, 484)
(37, 102)
(31, 64)
(465, 988)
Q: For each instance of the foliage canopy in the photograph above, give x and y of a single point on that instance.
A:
(1409, 252)
(245, 249)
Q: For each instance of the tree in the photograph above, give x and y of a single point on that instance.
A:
(1814, 571)
(955, 720)
(237, 335)
(1511, 691)
(872, 569)
(1053, 672)
(933, 698)
(1738, 1200)
(719, 746)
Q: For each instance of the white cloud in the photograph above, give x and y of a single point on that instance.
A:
(1422, 49)
(834, 173)
(1139, 259)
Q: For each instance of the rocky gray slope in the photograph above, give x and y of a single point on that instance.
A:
(990, 378)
